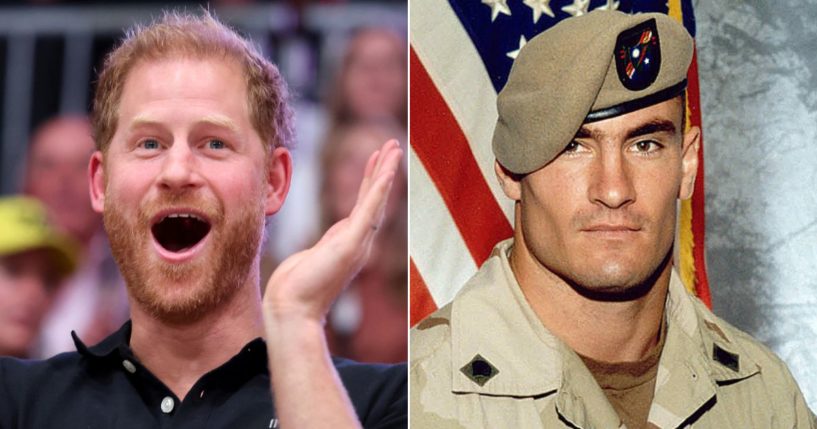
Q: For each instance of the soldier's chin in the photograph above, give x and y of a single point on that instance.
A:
(612, 293)
(617, 285)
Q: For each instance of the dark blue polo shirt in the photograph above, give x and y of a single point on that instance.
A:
(105, 387)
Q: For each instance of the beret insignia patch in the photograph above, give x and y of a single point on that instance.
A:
(638, 56)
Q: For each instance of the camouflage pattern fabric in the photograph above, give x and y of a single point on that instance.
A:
(486, 361)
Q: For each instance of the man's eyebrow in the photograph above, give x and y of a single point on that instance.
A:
(652, 127)
(215, 120)
(585, 133)
(219, 121)
(143, 121)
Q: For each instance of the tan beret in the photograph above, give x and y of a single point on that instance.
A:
(585, 69)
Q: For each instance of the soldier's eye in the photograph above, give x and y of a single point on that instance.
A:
(572, 146)
(575, 148)
(646, 146)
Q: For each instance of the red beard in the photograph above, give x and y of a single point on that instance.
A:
(180, 293)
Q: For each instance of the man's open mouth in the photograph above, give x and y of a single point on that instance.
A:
(177, 232)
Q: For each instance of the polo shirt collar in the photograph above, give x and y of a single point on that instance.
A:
(117, 346)
(106, 348)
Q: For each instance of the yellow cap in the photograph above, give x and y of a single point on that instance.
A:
(24, 226)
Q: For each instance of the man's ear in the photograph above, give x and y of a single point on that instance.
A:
(279, 177)
(511, 183)
(96, 181)
(689, 162)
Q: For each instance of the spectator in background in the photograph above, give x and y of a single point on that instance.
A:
(366, 105)
(34, 258)
(370, 84)
(372, 81)
(92, 301)
(368, 322)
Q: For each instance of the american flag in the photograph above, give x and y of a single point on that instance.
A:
(461, 54)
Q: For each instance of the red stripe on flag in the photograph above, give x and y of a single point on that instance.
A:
(422, 304)
(443, 150)
(698, 196)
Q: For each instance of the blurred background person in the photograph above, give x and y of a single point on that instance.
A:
(368, 82)
(365, 106)
(371, 82)
(34, 258)
(92, 301)
(368, 322)
(55, 173)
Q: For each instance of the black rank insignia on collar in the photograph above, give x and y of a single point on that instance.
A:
(726, 358)
(638, 56)
(479, 370)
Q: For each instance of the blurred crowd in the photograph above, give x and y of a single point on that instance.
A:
(365, 106)
(56, 271)
(368, 106)
(86, 296)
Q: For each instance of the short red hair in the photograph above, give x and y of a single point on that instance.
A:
(191, 36)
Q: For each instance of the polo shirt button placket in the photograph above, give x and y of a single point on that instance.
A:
(167, 405)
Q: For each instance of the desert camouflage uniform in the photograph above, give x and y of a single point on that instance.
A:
(486, 361)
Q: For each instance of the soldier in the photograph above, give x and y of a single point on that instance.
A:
(579, 320)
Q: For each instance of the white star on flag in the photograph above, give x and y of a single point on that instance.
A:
(579, 7)
(512, 55)
(539, 7)
(611, 5)
(497, 7)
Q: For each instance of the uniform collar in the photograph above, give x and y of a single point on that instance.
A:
(491, 318)
(492, 321)
(714, 340)
(701, 353)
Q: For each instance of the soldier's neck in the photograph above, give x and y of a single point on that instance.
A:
(604, 330)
